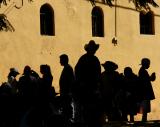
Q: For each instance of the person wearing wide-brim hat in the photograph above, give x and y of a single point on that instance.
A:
(91, 46)
(109, 65)
(88, 66)
(110, 80)
(13, 72)
(87, 74)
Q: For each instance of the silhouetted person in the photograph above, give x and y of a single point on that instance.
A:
(66, 82)
(88, 70)
(28, 83)
(131, 86)
(110, 83)
(42, 110)
(67, 76)
(28, 91)
(8, 99)
(146, 87)
(46, 81)
(9, 88)
(87, 73)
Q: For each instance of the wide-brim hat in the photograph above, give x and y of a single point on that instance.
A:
(14, 70)
(91, 46)
(110, 65)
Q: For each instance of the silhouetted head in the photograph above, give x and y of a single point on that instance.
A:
(109, 65)
(13, 72)
(91, 47)
(128, 71)
(63, 59)
(145, 62)
(27, 70)
(45, 69)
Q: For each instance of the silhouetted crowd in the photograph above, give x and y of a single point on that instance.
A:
(88, 97)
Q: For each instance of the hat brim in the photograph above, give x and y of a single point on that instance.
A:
(17, 73)
(93, 47)
(110, 65)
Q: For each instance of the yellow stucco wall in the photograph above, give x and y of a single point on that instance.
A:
(26, 46)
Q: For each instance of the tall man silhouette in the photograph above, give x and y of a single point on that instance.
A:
(87, 73)
(67, 76)
(66, 82)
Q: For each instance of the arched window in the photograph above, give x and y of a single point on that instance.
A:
(147, 23)
(97, 22)
(47, 25)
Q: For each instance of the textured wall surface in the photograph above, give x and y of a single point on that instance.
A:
(25, 46)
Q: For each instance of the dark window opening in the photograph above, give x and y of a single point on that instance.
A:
(97, 22)
(47, 25)
(147, 23)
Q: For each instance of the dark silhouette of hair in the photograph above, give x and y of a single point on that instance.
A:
(64, 58)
